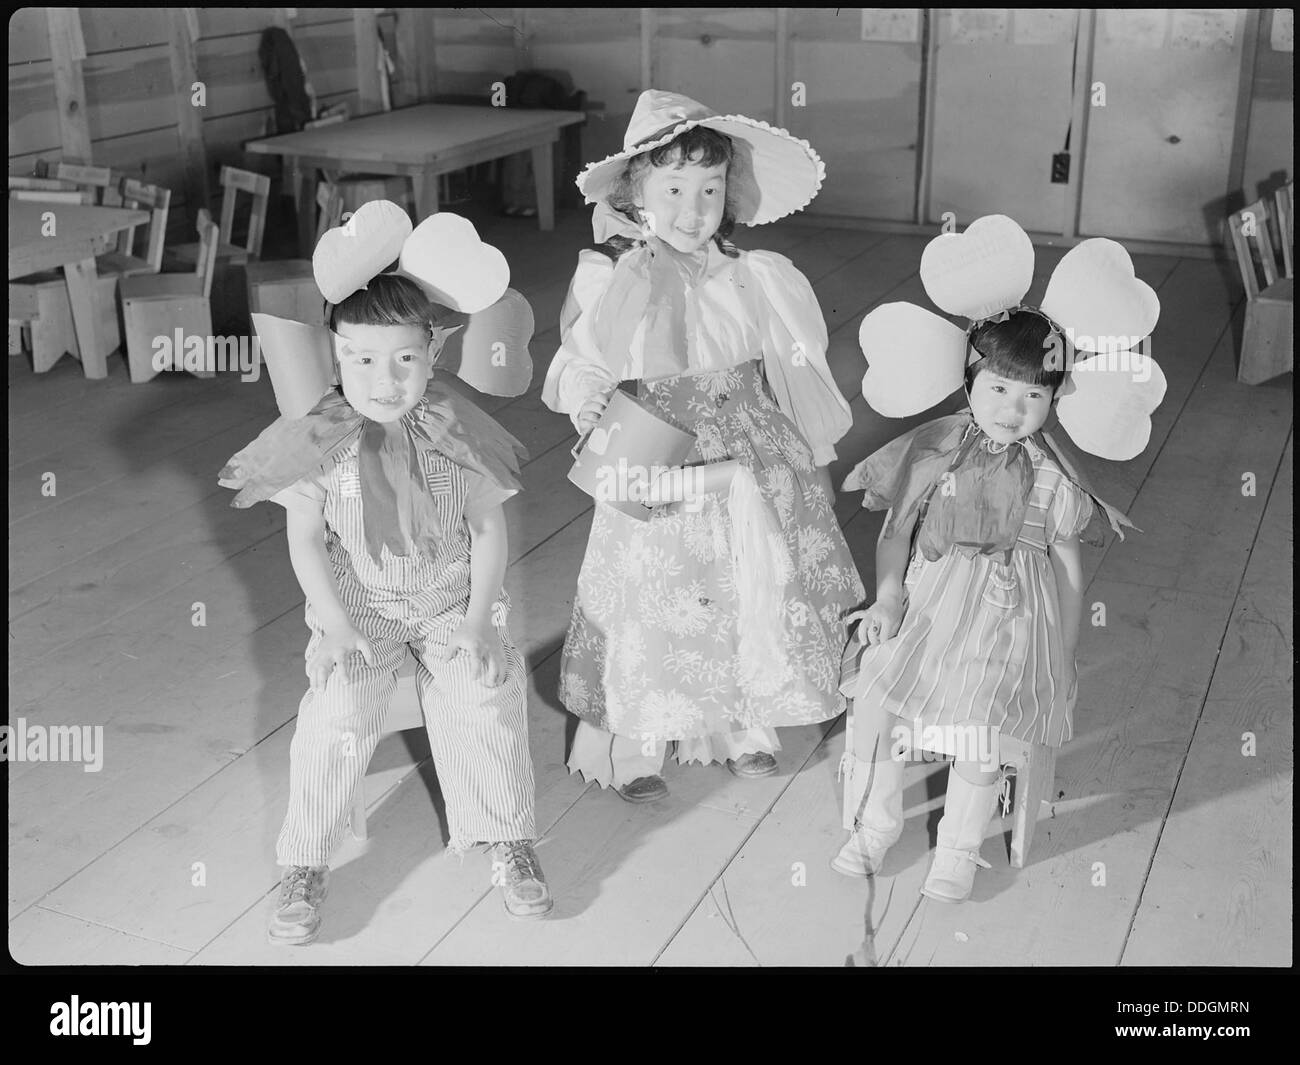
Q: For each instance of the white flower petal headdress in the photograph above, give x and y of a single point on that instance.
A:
(1094, 302)
(483, 334)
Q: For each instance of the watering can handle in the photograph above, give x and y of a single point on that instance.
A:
(582, 440)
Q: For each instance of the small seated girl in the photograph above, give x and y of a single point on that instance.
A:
(975, 624)
(393, 491)
(672, 639)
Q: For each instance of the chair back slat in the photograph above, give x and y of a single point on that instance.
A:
(209, 241)
(19, 181)
(77, 196)
(1285, 197)
(104, 181)
(234, 181)
(1251, 223)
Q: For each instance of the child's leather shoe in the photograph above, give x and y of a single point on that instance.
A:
(295, 920)
(523, 884)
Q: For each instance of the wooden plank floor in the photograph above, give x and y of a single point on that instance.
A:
(1169, 842)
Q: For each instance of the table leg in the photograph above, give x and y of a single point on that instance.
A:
(301, 180)
(544, 184)
(425, 187)
(81, 278)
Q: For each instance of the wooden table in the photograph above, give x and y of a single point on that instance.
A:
(71, 245)
(420, 143)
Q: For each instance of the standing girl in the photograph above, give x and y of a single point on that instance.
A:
(973, 632)
(699, 626)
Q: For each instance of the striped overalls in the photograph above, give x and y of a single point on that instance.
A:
(478, 734)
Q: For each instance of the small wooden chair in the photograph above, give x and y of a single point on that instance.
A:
(156, 305)
(1285, 197)
(233, 182)
(1032, 765)
(105, 182)
(102, 181)
(287, 288)
(123, 262)
(1268, 338)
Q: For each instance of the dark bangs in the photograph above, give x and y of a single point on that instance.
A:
(1023, 348)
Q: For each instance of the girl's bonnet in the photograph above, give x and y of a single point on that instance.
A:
(774, 174)
(481, 333)
(1099, 313)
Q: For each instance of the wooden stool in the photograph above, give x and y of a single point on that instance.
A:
(157, 305)
(287, 288)
(1034, 766)
(39, 308)
(1269, 335)
(404, 712)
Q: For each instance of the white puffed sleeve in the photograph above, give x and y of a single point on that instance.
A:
(578, 368)
(794, 340)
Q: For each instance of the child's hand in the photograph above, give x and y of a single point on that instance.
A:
(880, 621)
(591, 410)
(483, 645)
(336, 649)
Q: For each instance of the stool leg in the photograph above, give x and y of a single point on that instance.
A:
(357, 818)
(1034, 781)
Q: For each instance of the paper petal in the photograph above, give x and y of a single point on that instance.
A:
(350, 254)
(299, 359)
(979, 272)
(491, 352)
(1096, 297)
(914, 359)
(455, 268)
(1106, 403)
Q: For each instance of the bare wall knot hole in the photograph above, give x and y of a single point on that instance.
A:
(706, 40)
(1173, 138)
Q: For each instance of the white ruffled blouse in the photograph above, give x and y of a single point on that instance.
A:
(758, 305)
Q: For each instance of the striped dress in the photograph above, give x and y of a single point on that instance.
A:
(981, 637)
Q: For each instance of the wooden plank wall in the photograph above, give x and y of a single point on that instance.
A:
(130, 90)
(862, 108)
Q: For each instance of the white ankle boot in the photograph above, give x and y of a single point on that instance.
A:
(873, 815)
(966, 812)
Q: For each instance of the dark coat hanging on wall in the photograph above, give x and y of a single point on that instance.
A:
(285, 80)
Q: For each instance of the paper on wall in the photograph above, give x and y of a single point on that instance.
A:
(1214, 28)
(1044, 25)
(901, 24)
(977, 25)
(1139, 27)
(1281, 35)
